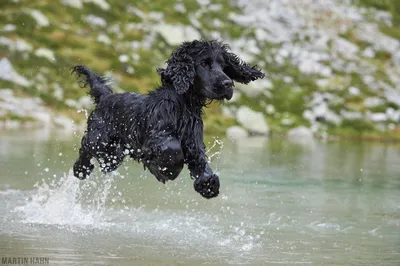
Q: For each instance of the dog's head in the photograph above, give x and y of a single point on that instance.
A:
(208, 69)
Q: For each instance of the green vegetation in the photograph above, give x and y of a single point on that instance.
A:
(128, 28)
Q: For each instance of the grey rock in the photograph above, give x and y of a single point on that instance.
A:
(236, 132)
(176, 34)
(300, 132)
(7, 72)
(251, 120)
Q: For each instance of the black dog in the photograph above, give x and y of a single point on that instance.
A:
(163, 129)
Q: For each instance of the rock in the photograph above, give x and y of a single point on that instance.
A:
(286, 121)
(384, 17)
(96, 21)
(6, 94)
(373, 102)
(85, 102)
(369, 52)
(73, 3)
(251, 120)
(23, 108)
(301, 132)
(180, 7)
(137, 12)
(58, 91)
(235, 97)
(12, 124)
(227, 112)
(17, 45)
(393, 115)
(100, 3)
(123, 58)
(236, 132)
(46, 53)
(321, 111)
(63, 122)
(377, 117)
(41, 20)
(270, 109)
(103, 38)
(9, 27)
(351, 115)
(309, 66)
(370, 33)
(322, 43)
(396, 59)
(254, 89)
(354, 91)
(7, 72)
(176, 34)
(345, 47)
(322, 83)
(391, 95)
(288, 79)
(44, 117)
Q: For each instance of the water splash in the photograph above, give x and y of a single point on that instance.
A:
(62, 202)
(85, 111)
(216, 154)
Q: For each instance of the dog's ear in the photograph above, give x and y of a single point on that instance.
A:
(239, 70)
(180, 71)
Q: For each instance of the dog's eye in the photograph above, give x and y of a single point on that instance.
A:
(204, 64)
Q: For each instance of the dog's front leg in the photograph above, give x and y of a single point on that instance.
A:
(163, 157)
(206, 181)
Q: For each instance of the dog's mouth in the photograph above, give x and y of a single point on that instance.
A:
(224, 93)
(218, 92)
(223, 96)
(228, 94)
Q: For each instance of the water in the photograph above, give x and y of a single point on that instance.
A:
(281, 202)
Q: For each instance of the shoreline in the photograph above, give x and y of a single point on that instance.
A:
(59, 133)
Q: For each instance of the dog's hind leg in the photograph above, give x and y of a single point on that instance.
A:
(111, 158)
(83, 166)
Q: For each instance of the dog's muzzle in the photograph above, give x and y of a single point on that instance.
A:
(228, 86)
(229, 93)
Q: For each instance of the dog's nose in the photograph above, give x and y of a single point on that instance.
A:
(227, 83)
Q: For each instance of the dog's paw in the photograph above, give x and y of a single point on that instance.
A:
(207, 186)
(81, 171)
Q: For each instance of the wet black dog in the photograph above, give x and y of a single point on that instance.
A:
(163, 129)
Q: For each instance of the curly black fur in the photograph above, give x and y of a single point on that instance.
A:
(164, 128)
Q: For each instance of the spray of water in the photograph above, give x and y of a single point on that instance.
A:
(64, 202)
(216, 154)
(85, 111)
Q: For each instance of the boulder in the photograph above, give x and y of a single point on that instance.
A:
(8, 73)
(300, 132)
(236, 132)
(251, 120)
(176, 34)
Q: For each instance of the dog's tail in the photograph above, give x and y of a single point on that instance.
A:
(98, 84)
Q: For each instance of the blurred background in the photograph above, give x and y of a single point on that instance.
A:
(315, 196)
(333, 67)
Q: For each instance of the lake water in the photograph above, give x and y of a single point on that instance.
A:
(281, 202)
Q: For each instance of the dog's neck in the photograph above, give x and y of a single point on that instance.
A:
(194, 101)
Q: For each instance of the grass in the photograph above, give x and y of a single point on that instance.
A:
(74, 41)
